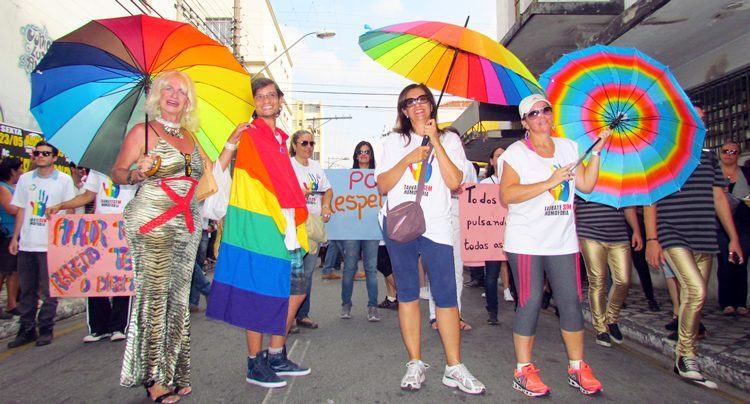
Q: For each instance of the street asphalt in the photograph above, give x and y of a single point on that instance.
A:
(352, 361)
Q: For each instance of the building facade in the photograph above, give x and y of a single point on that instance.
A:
(307, 116)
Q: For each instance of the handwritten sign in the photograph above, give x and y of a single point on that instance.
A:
(482, 219)
(356, 203)
(88, 257)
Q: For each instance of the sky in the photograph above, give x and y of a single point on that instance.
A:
(338, 64)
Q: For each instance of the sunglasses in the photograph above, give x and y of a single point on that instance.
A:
(188, 167)
(730, 152)
(366, 152)
(306, 143)
(410, 102)
(533, 114)
(37, 153)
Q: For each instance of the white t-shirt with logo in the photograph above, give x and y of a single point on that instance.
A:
(312, 178)
(34, 194)
(436, 196)
(545, 224)
(110, 197)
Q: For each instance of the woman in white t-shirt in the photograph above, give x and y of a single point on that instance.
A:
(538, 182)
(399, 165)
(318, 193)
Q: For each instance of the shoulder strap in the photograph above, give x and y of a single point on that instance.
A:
(422, 174)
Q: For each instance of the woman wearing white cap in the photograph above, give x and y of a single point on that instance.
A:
(538, 182)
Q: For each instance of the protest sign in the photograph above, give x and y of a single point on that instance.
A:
(356, 203)
(482, 220)
(19, 143)
(87, 256)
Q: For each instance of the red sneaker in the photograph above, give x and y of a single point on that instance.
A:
(584, 379)
(527, 381)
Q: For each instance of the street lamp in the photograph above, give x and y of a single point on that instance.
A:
(322, 34)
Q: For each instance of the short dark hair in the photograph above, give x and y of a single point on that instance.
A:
(55, 152)
(355, 163)
(261, 82)
(7, 166)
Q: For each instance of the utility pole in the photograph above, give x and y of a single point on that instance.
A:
(236, 30)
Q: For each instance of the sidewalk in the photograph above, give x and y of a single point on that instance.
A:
(724, 354)
(65, 308)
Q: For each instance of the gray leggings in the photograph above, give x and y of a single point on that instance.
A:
(564, 275)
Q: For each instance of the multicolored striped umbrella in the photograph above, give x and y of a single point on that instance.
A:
(657, 134)
(88, 90)
(422, 51)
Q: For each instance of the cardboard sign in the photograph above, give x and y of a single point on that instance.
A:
(87, 256)
(356, 203)
(482, 220)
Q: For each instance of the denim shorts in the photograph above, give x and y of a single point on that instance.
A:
(437, 260)
(299, 280)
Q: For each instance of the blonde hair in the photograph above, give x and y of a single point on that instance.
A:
(189, 120)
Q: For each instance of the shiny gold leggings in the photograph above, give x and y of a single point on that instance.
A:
(598, 256)
(691, 269)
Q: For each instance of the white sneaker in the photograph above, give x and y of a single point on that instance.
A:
(117, 336)
(94, 337)
(688, 368)
(459, 376)
(507, 295)
(414, 377)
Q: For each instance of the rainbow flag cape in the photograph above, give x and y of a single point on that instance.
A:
(253, 274)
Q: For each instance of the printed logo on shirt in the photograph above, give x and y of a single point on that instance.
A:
(39, 207)
(416, 169)
(313, 182)
(111, 190)
(562, 191)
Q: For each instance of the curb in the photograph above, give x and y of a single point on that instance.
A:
(66, 308)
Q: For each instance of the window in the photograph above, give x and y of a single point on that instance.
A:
(726, 103)
(220, 29)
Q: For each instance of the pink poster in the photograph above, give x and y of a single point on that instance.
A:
(88, 257)
(482, 220)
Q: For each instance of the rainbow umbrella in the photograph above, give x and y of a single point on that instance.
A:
(88, 90)
(657, 134)
(424, 52)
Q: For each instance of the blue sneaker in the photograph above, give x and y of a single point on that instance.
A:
(284, 367)
(261, 374)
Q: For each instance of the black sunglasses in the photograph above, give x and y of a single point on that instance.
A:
(306, 143)
(422, 99)
(363, 152)
(38, 153)
(730, 151)
(535, 113)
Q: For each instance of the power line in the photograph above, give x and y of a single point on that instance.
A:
(123, 7)
(138, 7)
(145, 3)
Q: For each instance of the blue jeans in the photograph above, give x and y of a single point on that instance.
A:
(333, 256)
(308, 264)
(368, 250)
(199, 285)
(491, 273)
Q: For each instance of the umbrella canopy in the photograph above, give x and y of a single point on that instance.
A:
(423, 51)
(88, 90)
(657, 134)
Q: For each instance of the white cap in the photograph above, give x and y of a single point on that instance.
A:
(525, 105)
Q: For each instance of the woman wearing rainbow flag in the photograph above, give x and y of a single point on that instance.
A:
(259, 282)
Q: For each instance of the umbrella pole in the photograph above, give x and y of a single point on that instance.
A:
(613, 125)
(448, 76)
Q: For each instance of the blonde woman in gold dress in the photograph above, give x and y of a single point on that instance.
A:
(163, 230)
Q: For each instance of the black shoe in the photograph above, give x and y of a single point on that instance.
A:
(688, 369)
(672, 325)
(614, 332)
(492, 318)
(23, 338)
(260, 373)
(44, 339)
(474, 283)
(603, 339)
(282, 366)
(546, 297)
(653, 306)
(672, 336)
(387, 304)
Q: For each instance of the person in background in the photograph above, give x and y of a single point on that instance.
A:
(318, 194)
(333, 260)
(399, 168)
(642, 267)
(11, 169)
(199, 284)
(35, 191)
(105, 318)
(363, 158)
(390, 301)
(539, 179)
(732, 275)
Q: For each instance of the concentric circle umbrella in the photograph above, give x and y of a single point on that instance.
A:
(657, 134)
(89, 88)
(424, 51)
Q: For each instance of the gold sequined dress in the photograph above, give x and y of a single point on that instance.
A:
(157, 227)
